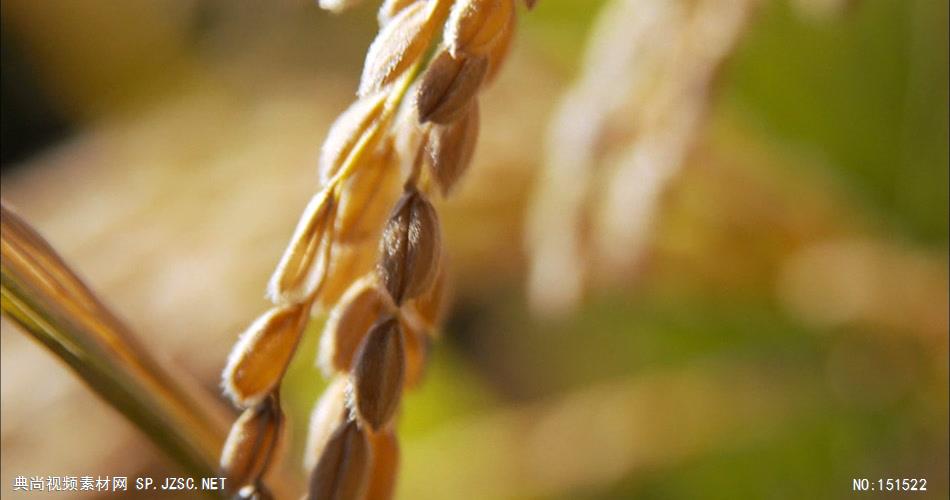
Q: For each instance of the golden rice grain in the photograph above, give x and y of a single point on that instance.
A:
(399, 44)
(303, 266)
(416, 347)
(347, 264)
(251, 442)
(346, 131)
(500, 49)
(449, 86)
(474, 25)
(382, 482)
(367, 195)
(348, 324)
(409, 248)
(391, 8)
(262, 354)
(450, 148)
(328, 414)
(378, 373)
(342, 473)
(429, 307)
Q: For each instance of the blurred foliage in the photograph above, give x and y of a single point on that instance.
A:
(867, 95)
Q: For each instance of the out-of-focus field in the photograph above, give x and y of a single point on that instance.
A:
(786, 331)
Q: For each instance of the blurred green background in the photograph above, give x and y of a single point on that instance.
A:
(787, 333)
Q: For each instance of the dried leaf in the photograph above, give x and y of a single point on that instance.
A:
(359, 308)
(399, 44)
(303, 266)
(450, 149)
(474, 25)
(378, 373)
(251, 443)
(448, 87)
(342, 473)
(261, 355)
(409, 248)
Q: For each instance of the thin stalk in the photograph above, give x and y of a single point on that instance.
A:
(47, 299)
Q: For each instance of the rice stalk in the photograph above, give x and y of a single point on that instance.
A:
(41, 294)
